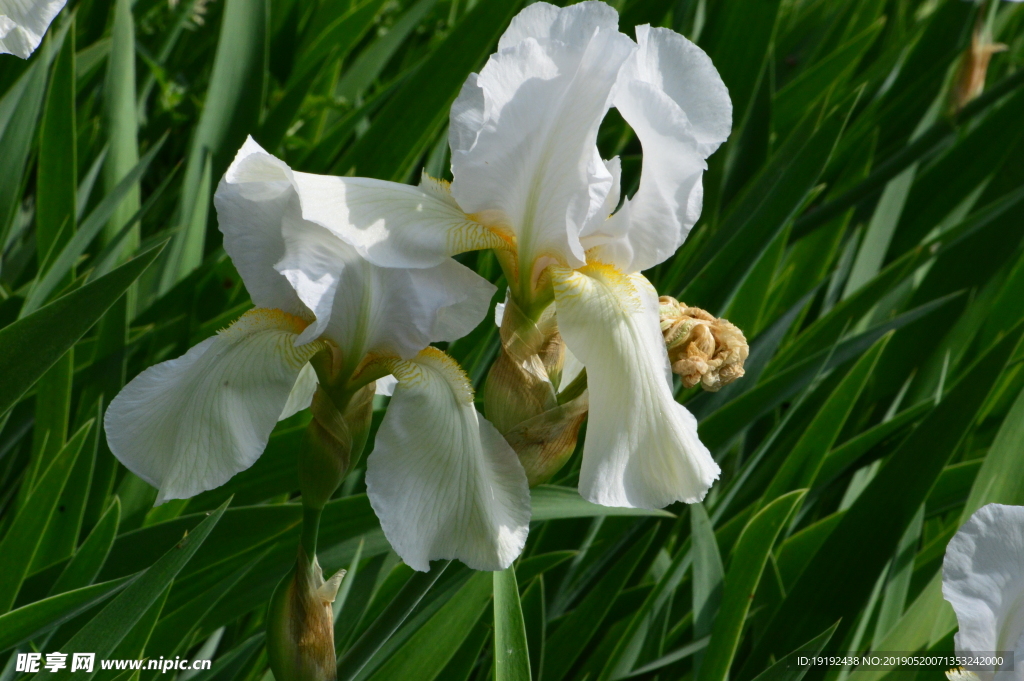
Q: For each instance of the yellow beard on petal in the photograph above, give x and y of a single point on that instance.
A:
(623, 286)
(412, 371)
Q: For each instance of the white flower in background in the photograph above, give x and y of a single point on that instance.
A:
(23, 24)
(442, 480)
(525, 163)
(983, 579)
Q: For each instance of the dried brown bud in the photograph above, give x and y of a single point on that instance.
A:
(969, 80)
(702, 348)
(300, 626)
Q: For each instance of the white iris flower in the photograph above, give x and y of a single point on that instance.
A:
(526, 166)
(23, 24)
(442, 480)
(983, 579)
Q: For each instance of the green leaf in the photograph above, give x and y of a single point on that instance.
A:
(745, 567)
(574, 632)
(804, 91)
(122, 123)
(427, 652)
(794, 554)
(803, 462)
(848, 453)
(20, 107)
(789, 668)
(841, 575)
(998, 482)
(626, 652)
(770, 201)
(371, 61)
(708, 575)
(551, 502)
(410, 121)
(90, 228)
(737, 40)
(20, 544)
(32, 344)
(535, 620)
(396, 611)
(103, 633)
(511, 653)
(231, 110)
(529, 568)
(57, 170)
(229, 664)
(88, 560)
(665, 660)
(28, 621)
(336, 39)
(724, 424)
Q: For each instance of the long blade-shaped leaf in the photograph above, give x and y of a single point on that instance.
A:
(32, 344)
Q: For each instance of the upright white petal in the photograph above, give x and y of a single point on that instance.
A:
(983, 579)
(189, 424)
(641, 448)
(523, 132)
(23, 24)
(679, 108)
(295, 262)
(442, 480)
(253, 201)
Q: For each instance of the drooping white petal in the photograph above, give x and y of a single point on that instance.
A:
(523, 131)
(983, 579)
(641, 447)
(286, 258)
(442, 480)
(679, 108)
(23, 24)
(189, 424)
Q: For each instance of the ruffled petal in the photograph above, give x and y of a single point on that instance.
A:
(23, 24)
(983, 579)
(679, 108)
(641, 449)
(523, 132)
(442, 480)
(189, 424)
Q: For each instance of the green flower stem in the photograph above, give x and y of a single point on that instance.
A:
(310, 529)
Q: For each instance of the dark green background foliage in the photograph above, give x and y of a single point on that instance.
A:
(867, 240)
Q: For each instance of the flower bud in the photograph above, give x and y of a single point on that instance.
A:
(300, 624)
(333, 444)
(702, 348)
(969, 80)
(522, 398)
